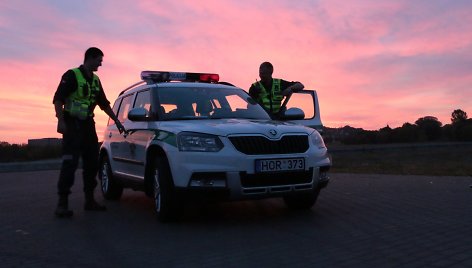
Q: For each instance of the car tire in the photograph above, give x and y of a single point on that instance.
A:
(302, 201)
(111, 189)
(166, 203)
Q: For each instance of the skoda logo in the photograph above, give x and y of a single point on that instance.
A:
(273, 132)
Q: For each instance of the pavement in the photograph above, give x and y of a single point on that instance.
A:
(359, 221)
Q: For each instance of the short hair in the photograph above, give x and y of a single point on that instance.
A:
(267, 65)
(92, 53)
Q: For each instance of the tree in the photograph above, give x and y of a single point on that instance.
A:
(458, 116)
(406, 133)
(385, 134)
(449, 132)
(465, 132)
(430, 128)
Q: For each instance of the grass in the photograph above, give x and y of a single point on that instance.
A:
(444, 160)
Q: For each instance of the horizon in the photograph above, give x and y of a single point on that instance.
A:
(372, 63)
(59, 138)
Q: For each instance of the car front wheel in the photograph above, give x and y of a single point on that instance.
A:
(110, 188)
(166, 203)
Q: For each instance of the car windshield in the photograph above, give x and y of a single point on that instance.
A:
(191, 103)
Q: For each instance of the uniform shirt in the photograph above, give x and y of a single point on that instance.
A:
(254, 91)
(68, 85)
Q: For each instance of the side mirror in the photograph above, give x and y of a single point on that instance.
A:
(293, 114)
(138, 114)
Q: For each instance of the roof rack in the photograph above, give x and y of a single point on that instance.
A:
(226, 83)
(133, 85)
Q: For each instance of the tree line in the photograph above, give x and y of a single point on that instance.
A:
(425, 129)
(24, 152)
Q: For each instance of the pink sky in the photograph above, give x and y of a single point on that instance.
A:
(372, 62)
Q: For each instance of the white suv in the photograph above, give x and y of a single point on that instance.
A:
(190, 137)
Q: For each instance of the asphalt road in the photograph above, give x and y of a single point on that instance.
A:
(359, 221)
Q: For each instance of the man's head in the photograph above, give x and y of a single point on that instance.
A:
(265, 71)
(93, 59)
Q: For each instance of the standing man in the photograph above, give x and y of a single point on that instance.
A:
(269, 92)
(75, 99)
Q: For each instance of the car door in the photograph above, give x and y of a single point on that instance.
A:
(119, 143)
(140, 135)
(112, 135)
(307, 100)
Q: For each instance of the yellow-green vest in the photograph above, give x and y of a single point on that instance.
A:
(265, 96)
(78, 104)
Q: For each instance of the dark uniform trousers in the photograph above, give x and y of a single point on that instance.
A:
(80, 140)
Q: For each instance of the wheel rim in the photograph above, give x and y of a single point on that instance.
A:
(105, 178)
(157, 191)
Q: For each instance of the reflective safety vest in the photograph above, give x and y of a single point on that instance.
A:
(79, 103)
(270, 100)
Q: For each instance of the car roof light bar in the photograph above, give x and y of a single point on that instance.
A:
(164, 76)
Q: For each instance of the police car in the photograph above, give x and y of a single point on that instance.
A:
(191, 137)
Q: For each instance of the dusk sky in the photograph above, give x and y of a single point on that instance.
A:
(373, 63)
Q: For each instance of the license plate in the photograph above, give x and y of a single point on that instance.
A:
(281, 164)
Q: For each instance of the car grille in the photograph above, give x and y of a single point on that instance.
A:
(255, 145)
(275, 179)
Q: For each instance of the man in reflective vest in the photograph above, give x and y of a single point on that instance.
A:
(269, 92)
(76, 97)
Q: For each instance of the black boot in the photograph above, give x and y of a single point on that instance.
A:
(62, 210)
(91, 204)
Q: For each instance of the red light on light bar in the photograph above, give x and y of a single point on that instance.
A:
(209, 77)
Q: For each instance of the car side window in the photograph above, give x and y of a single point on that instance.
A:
(143, 100)
(115, 110)
(236, 102)
(124, 108)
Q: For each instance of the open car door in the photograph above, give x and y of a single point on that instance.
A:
(307, 101)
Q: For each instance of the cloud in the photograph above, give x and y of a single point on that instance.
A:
(372, 62)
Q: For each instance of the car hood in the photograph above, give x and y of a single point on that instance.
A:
(224, 127)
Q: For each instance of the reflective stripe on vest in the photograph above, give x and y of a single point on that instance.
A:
(270, 104)
(79, 103)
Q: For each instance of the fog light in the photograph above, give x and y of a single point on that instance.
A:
(324, 176)
(208, 183)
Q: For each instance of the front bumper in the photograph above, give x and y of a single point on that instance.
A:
(240, 186)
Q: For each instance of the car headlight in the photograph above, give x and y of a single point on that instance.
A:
(198, 142)
(317, 140)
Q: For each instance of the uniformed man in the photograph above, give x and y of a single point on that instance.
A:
(77, 95)
(269, 92)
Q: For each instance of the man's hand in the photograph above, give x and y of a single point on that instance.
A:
(61, 125)
(293, 88)
(120, 127)
(288, 91)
